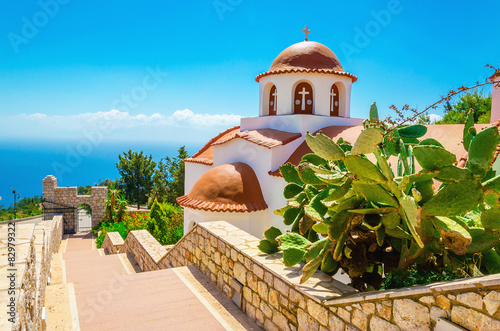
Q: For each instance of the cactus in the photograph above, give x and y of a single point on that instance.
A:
(468, 134)
(374, 112)
(364, 168)
(455, 237)
(324, 147)
(412, 131)
(367, 141)
(369, 219)
(432, 157)
(454, 199)
(481, 151)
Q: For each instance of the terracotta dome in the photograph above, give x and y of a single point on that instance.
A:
(306, 56)
(229, 187)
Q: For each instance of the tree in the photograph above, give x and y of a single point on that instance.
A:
(136, 171)
(456, 113)
(157, 225)
(169, 178)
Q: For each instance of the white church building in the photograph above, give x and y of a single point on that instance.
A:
(235, 177)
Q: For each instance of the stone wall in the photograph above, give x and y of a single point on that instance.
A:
(34, 248)
(112, 243)
(145, 249)
(271, 294)
(66, 200)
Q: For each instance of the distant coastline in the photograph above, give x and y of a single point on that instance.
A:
(24, 164)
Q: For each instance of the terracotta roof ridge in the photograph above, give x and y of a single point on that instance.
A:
(200, 160)
(214, 139)
(270, 143)
(306, 70)
(186, 201)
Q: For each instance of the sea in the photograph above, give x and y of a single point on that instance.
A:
(24, 163)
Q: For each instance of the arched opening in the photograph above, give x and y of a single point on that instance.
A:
(84, 216)
(191, 225)
(303, 100)
(273, 100)
(334, 100)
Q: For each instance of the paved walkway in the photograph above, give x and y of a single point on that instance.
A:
(111, 295)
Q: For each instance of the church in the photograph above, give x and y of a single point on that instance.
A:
(235, 176)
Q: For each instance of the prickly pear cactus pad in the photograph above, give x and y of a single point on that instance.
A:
(346, 211)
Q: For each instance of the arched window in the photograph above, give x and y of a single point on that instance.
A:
(303, 99)
(334, 100)
(273, 100)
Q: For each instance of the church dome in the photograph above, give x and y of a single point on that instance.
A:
(306, 56)
(229, 187)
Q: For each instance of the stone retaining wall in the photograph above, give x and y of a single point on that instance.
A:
(34, 248)
(270, 293)
(112, 243)
(145, 249)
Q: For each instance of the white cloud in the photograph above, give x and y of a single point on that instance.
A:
(120, 119)
(434, 118)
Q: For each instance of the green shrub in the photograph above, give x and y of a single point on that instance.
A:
(105, 227)
(418, 274)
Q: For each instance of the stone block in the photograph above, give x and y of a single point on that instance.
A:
(470, 299)
(428, 300)
(240, 273)
(306, 322)
(378, 324)
(443, 302)
(492, 302)
(335, 323)
(360, 319)
(263, 290)
(344, 314)
(410, 315)
(473, 320)
(437, 312)
(280, 320)
(318, 312)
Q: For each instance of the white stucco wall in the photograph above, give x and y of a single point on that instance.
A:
(297, 123)
(249, 222)
(321, 84)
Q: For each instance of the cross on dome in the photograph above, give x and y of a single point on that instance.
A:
(306, 31)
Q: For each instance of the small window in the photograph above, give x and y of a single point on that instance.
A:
(334, 101)
(303, 99)
(273, 100)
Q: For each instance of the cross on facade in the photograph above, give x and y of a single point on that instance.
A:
(275, 95)
(306, 32)
(332, 95)
(303, 93)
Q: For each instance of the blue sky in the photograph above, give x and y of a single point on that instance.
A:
(182, 71)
